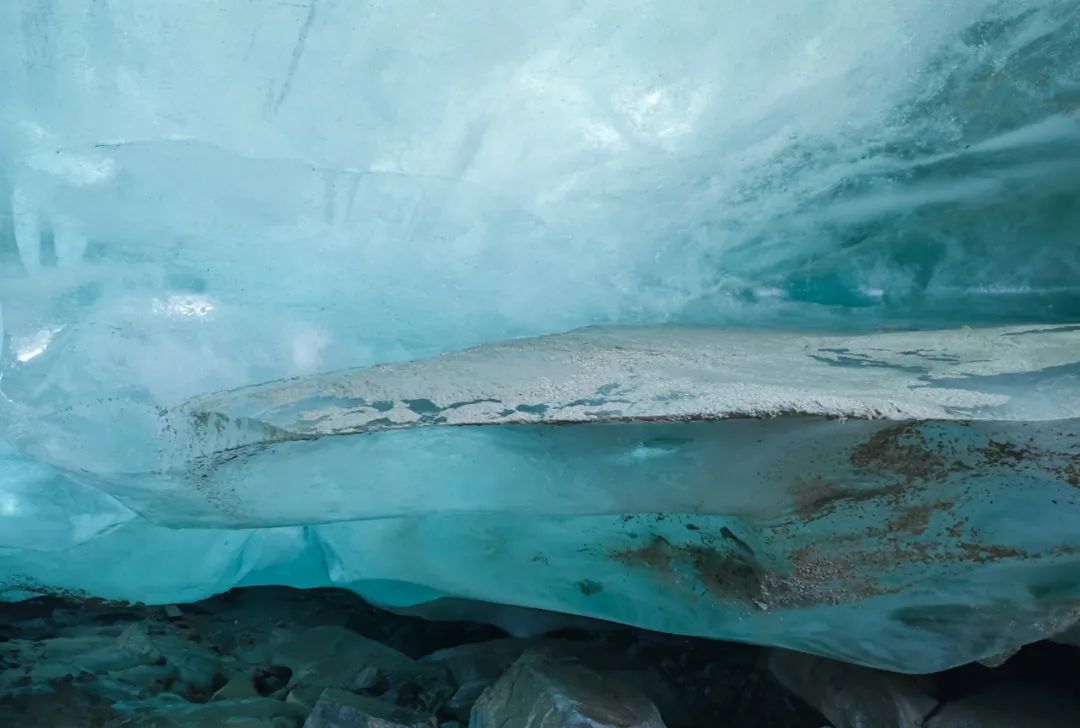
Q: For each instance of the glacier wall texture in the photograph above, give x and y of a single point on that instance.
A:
(827, 253)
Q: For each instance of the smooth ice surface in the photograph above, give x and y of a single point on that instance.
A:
(917, 574)
(199, 197)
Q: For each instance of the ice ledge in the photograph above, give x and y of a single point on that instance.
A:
(612, 374)
(419, 438)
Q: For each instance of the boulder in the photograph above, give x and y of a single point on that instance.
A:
(541, 691)
(1008, 706)
(342, 709)
(480, 661)
(335, 657)
(851, 696)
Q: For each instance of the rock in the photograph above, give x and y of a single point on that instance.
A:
(487, 661)
(480, 661)
(135, 640)
(239, 687)
(304, 696)
(94, 650)
(368, 679)
(271, 678)
(197, 666)
(333, 657)
(152, 678)
(250, 713)
(476, 665)
(65, 707)
(341, 709)
(1008, 706)
(462, 701)
(851, 696)
(540, 691)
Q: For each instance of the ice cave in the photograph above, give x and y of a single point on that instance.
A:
(743, 323)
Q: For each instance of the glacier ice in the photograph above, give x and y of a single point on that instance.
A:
(407, 438)
(891, 499)
(826, 253)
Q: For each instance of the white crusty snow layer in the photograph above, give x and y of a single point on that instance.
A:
(647, 373)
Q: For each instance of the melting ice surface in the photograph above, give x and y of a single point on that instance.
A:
(828, 252)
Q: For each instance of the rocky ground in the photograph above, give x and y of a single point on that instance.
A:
(325, 659)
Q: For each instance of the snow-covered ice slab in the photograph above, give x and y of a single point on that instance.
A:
(596, 421)
(660, 372)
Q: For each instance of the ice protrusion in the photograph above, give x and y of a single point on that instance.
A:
(69, 241)
(42, 510)
(46, 233)
(26, 223)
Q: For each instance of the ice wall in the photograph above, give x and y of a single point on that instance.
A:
(203, 195)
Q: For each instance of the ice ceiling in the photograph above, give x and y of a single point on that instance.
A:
(829, 253)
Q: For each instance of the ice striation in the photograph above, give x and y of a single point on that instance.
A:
(748, 321)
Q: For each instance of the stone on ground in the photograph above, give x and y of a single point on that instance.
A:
(1009, 706)
(540, 691)
(851, 696)
(342, 709)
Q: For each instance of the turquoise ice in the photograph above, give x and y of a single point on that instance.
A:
(756, 321)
